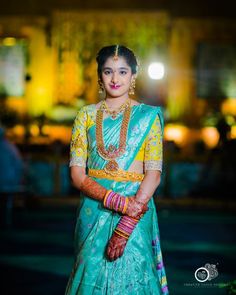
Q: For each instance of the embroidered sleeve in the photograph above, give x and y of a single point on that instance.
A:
(153, 153)
(78, 145)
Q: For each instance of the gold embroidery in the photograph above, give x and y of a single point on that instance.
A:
(119, 175)
(77, 143)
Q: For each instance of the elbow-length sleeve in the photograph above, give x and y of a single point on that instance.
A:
(153, 153)
(79, 142)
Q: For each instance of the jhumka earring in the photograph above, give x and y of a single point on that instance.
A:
(132, 87)
(101, 88)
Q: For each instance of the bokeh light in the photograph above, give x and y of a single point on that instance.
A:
(156, 71)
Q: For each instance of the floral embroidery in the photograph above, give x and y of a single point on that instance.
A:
(153, 147)
(78, 147)
(88, 211)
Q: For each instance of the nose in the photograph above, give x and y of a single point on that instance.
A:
(114, 78)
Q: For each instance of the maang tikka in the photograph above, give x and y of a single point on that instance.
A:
(115, 57)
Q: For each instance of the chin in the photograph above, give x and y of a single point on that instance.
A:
(114, 95)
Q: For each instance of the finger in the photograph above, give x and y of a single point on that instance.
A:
(112, 254)
(122, 250)
(145, 209)
(109, 248)
(117, 253)
(108, 251)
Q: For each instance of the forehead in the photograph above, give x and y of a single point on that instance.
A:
(119, 63)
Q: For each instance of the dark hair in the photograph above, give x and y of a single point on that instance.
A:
(108, 51)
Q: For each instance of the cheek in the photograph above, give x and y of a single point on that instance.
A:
(127, 81)
(105, 79)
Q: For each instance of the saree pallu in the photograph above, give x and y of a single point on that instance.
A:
(140, 270)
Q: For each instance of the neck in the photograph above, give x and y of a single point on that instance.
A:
(114, 103)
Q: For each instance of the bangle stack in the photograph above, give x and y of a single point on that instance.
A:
(126, 226)
(115, 202)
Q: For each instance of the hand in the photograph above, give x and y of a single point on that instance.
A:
(136, 209)
(116, 247)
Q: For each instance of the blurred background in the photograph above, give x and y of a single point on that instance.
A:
(187, 55)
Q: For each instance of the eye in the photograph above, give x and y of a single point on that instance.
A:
(107, 72)
(123, 72)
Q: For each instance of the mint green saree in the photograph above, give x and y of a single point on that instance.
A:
(140, 270)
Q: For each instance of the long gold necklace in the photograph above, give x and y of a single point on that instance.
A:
(116, 112)
(112, 152)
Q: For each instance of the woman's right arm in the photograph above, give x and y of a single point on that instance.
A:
(86, 184)
(78, 175)
(78, 159)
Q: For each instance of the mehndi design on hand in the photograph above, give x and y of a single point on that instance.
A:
(112, 200)
(124, 205)
(93, 189)
(119, 239)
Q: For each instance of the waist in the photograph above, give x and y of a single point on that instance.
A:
(119, 175)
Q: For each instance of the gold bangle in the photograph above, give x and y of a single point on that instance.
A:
(123, 232)
(106, 195)
(120, 207)
(126, 205)
(137, 220)
(119, 234)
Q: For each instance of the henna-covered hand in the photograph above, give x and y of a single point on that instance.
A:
(135, 209)
(116, 247)
(118, 241)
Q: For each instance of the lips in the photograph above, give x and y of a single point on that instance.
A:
(115, 86)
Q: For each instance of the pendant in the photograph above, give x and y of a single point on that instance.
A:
(114, 115)
(111, 148)
(111, 166)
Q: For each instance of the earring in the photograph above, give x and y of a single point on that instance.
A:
(132, 87)
(101, 88)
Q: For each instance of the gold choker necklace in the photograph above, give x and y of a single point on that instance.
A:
(112, 152)
(116, 112)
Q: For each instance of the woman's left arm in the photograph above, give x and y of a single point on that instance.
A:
(148, 186)
(153, 158)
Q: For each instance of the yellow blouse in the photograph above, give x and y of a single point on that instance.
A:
(150, 152)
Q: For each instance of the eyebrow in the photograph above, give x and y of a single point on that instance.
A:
(121, 68)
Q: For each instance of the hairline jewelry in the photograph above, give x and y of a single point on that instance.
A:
(115, 57)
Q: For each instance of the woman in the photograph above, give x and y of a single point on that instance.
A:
(116, 162)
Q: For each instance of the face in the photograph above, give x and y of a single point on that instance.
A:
(116, 77)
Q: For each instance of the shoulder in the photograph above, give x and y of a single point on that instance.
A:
(155, 112)
(86, 110)
(151, 109)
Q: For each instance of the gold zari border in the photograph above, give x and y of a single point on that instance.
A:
(118, 175)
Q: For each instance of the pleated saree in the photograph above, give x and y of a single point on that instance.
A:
(140, 270)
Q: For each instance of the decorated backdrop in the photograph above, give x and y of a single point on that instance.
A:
(77, 36)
